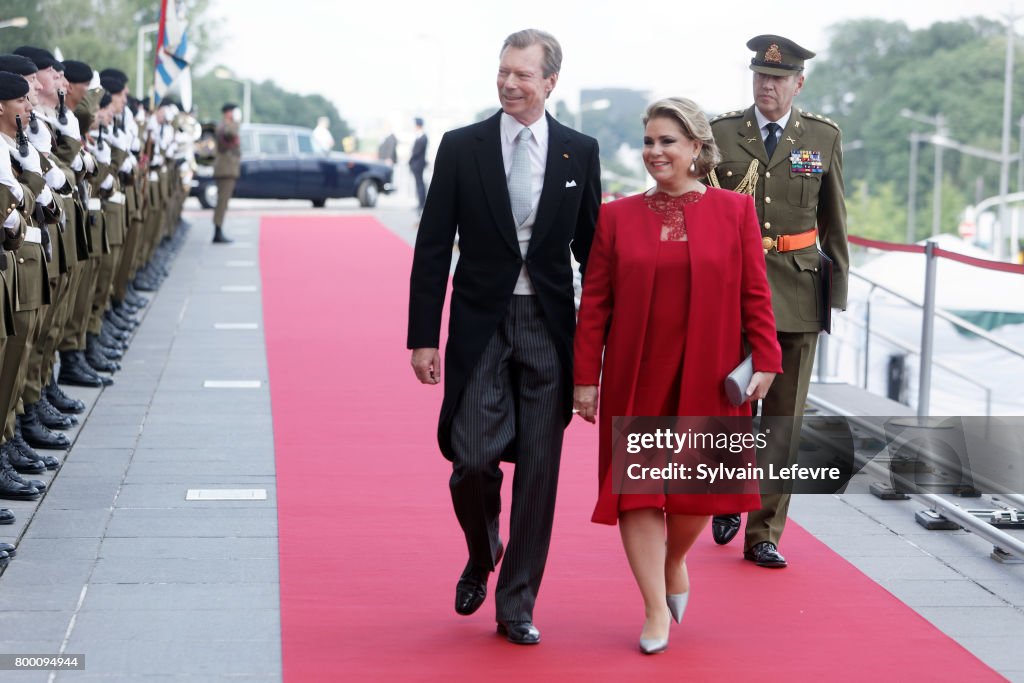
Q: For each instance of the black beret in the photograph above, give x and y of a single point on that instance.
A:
(58, 67)
(115, 73)
(228, 107)
(43, 58)
(16, 64)
(111, 84)
(77, 72)
(105, 100)
(12, 86)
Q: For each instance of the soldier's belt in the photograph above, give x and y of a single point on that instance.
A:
(34, 235)
(782, 243)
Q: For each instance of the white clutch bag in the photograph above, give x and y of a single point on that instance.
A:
(738, 380)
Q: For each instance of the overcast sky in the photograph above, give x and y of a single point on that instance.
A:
(383, 62)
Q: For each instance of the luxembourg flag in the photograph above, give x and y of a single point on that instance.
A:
(173, 54)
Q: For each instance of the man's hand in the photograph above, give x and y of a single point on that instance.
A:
(584, 401)
(426, 363)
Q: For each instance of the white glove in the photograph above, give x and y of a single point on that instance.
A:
(90, 162)
(77, 163)
(127, 166)
(158, 159)
(136, 144)
(107, 183)
(31, 161)
(119, 139)
(71, 128)
(41, 140)
(7, 175)
(12, 220)
(55, 178)
(45, 197)
(102, 155)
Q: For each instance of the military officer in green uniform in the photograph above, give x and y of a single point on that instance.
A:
(791, 162)
(226, 167)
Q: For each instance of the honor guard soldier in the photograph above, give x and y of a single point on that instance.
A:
(791, 162)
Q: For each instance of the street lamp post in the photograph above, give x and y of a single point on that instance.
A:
(1004, 169)
(227, 75)
(140, 58)
(939, 122)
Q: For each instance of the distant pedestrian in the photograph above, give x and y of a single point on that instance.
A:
(388, 150)
(322, 134)
(418, 162)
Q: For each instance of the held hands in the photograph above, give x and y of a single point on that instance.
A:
(426, 363)
(31, 162)
(101, 155)
(759, 385)
(71, 128)
(7, 173)
(119, 138)
(584, 401)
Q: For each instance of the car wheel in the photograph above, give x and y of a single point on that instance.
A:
(208, 196)
(368, 193)
(319, 203)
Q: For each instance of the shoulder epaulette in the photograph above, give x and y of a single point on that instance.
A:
(818, 117)
(727, 115)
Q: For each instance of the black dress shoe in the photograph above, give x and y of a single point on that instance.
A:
(471, 589)
(38, 436)
(13, 487)
(765, 554)
(8, 548)
(6, 516)
(519, 632)
(22, 462)
(61, 401)
(50, 417)
(724, 528)
(76, 376)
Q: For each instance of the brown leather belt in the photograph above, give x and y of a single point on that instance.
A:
(781, 243)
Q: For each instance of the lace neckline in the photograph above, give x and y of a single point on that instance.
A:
(671, 210)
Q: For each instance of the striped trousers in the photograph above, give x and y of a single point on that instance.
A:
(511, 404)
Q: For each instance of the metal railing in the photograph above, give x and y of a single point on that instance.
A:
(925, 351)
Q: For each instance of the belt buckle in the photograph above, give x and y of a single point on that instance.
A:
(767, 243)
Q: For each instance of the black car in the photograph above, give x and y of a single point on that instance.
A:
(283, 162)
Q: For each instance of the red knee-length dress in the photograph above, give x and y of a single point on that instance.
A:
(661, 324)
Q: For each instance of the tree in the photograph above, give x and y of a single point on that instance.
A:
(872, 70)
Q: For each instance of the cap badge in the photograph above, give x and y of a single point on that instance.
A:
(773, 54)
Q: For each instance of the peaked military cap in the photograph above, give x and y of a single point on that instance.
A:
(777, 56)
(12, 86)
(43, 59)
(228, 107)
(17, 64)
(77, 72)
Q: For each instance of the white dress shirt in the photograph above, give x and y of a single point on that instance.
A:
(762, 124)
(538, 149)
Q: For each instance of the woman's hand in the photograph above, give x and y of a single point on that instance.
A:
(759, 385)
(584, 401)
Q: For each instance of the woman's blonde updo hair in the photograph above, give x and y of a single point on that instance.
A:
(694, 125)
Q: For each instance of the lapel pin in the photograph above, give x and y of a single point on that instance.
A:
(751, 139)
(748, 124)
(565, 156)
(790, 140)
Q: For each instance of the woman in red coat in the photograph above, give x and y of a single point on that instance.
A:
(676, 279)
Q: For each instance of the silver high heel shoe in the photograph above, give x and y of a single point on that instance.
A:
(653, 646)
(677, 605)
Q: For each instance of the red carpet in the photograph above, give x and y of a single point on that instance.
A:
(370, 549)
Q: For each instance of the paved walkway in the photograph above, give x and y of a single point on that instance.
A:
(115, 563)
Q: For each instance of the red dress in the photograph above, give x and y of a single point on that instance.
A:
(661, 325)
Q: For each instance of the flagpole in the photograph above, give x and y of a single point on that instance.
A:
(159, 46)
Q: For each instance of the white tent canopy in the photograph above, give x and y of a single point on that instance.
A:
(961, 287)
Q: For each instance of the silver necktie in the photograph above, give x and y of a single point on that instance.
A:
(520, 191)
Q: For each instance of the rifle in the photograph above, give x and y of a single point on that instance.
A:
(62, 109)
(21, 138)
(99, 139)
(33, 123)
